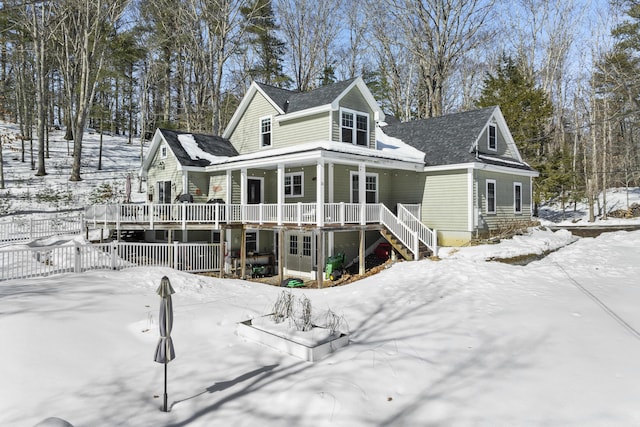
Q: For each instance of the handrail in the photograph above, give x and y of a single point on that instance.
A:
(400, 230)
(426, 235)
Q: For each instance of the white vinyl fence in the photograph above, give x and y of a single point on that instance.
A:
(19, 263)
(21, 229)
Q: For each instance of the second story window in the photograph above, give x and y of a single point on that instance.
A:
(265, 132)
(493, 138)
(354, 127)
(163, 152)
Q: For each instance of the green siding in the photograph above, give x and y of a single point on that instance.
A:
(445, 199)
(301, 130)
(217, 186)
(504, 199)
(246, 136)
(198, 186)
(503, 149)
(353, 101)
(170, 172)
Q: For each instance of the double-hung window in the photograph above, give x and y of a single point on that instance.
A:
(370, 188)
(517, 197)
(492, 135)
(265, 132)
(293, 184)
(491, 196)
(354, 127)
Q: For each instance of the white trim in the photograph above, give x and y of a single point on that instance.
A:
(260, 133)
(284, 184)
(354, 129)
(378, 114)
(471, 221)
(482, 166)
(237, 115)
(515, 209)
(303, 113)
(495, 136)
(495, 196)
(364, 185)
(164, 149)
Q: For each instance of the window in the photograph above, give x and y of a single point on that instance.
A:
(306, 245)
(293, 245)
(493, 138)
(354, 127)
(517, 197)
(163, 152)
(251, 242)
(370, 188)
(265, 132)
(491, 196)
(293, 184)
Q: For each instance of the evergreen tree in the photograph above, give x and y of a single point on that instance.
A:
(270, 49)
(527, 110)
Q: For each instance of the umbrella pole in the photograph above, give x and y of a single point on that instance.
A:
(165, 388)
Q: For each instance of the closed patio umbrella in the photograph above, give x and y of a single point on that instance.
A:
(164, 349)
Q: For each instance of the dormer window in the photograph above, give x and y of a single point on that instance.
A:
(354, 127)
(265, 132)
(492, 138)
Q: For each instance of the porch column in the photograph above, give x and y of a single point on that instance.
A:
(243, 186)
(331, 200)
(320, 193)
(280, 192)
(362, 188)
(361, 264)
(229, 188)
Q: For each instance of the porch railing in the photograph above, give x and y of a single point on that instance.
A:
(408, 237)
(20, 263)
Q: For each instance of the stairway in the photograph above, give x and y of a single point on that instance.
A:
(402, 249)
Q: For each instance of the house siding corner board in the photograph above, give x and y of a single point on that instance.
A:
(246, 136)
(167, 173)
(504, 199)
(444, 201)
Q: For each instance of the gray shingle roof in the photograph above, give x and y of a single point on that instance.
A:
(448, 139)
(211, 144)
(292, 101)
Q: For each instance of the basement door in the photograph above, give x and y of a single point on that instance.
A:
(299, 252)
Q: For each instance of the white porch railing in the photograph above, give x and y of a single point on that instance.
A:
(426, 235)
(22, 263)
(29, 229)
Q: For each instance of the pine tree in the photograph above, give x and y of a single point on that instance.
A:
(270, 49)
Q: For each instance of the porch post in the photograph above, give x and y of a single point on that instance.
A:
(362, 196)
(243, 252)
(185, 182)
(280, 192)
(361, 266)
(320, 258)
(331, 200)
(228, 198)
(281, 254)
(243, 194)
(320, 193)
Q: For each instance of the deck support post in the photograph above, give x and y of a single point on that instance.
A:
(361, 265)
(243, 252)
(320, 257)
(281, 254)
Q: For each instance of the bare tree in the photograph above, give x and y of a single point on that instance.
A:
(310, 28)
(84, 27)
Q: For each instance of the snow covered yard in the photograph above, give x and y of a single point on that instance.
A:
(456, 342)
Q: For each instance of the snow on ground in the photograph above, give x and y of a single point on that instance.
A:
(455, 342)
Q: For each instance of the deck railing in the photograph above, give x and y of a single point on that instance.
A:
(426, 235)
(20, 263)
(21, 229)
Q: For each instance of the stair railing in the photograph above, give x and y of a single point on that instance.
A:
(426, 235)
(401, 231)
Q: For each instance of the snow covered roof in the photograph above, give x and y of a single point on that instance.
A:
(198, 149)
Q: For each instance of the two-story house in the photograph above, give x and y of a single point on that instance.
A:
(306, 175)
